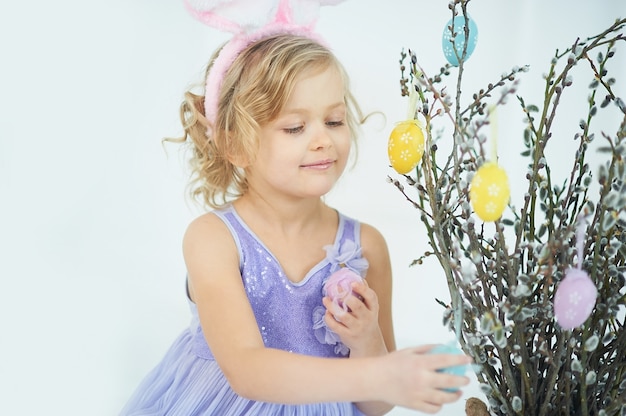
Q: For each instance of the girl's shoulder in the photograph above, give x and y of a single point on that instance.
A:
(207, 222)
(209, 234)
(210, 254)
(373, 244)
(368, 236)
(371, 236)
(211, 220)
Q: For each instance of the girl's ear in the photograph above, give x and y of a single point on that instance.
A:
(238, 159)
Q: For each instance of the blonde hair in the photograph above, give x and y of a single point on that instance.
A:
(255, 89)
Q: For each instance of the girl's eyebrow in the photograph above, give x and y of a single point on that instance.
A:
(288, 111)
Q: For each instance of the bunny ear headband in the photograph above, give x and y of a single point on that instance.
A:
(250, 21)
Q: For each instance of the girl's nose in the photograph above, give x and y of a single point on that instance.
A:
(321, 138)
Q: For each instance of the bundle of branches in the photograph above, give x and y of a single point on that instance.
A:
(503, 275)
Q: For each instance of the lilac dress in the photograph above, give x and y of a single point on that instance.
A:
(289, 315)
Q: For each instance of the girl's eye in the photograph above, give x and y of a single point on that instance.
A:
(337, 123)
(294, 130)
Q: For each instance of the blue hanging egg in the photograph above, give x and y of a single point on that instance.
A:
(458, 24)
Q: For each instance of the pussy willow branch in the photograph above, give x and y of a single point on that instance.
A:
(534, 364)
(553, 90)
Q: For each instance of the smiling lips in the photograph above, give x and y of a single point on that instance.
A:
(319, 165)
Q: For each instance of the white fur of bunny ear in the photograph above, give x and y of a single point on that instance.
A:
(235, 16)
(306, 12)
(330, 2)
(246, 16)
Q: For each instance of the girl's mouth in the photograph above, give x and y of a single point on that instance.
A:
(320, 164)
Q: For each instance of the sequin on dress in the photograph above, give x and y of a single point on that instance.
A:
(188, 381)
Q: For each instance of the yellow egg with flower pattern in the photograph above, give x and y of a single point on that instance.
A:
(489, 192)
(406, 146)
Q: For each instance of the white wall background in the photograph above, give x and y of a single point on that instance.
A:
(92, 209)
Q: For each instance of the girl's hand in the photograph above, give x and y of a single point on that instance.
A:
(357, 324)
(410, 378)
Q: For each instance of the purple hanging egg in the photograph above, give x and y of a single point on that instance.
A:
(574, 299)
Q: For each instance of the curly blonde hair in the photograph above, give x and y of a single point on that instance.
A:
(255, 89)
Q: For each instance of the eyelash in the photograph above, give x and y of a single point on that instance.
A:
(293, 130)
(338, 123)
(296, 130)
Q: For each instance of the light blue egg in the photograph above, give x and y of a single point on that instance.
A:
(457, 370)
(459, 40)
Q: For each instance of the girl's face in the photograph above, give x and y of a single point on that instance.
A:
(305, 149)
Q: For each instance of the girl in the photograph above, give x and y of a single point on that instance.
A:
(263, 339)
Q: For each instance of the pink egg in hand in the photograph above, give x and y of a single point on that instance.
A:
(338, 287)
(574, 299)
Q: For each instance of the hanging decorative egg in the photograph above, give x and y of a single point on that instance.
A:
(450, 348)
(489, 191)
(406, 146)
(574, 299)
(458, 24)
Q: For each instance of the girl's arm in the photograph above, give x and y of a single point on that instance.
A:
(379, 280)
(406, 378)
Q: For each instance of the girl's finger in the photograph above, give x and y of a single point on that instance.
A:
(364, 293)
(356, 305)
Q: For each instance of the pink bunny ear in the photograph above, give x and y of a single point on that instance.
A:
(250, 21)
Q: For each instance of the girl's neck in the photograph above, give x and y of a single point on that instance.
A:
(288, 216)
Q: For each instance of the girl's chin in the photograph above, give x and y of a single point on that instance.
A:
(317, 191)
